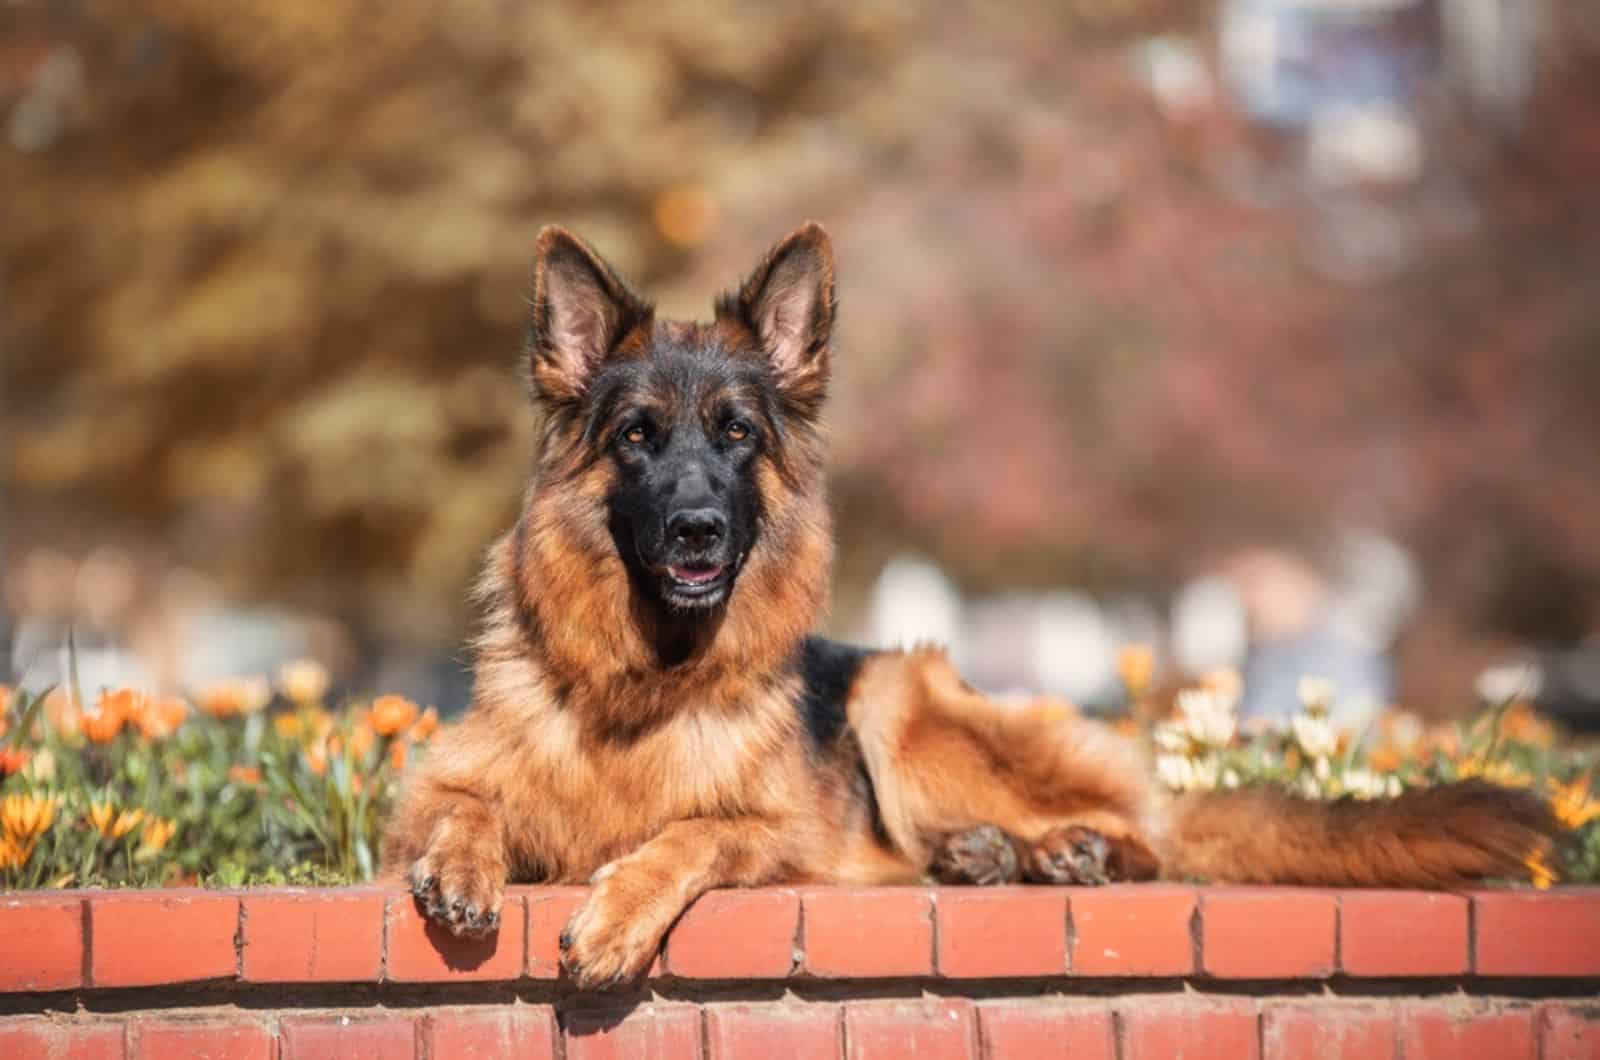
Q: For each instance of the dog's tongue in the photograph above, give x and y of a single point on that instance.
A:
(694, 575)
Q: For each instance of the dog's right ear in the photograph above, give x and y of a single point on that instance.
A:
(581, 310)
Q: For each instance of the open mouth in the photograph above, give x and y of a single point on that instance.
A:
(692, 579)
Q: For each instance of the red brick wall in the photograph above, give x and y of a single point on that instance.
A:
(1116, 972)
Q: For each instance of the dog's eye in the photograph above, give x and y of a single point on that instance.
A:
(635, 435)
(737, 431)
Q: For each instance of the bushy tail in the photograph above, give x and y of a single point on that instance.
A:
(1428, 837)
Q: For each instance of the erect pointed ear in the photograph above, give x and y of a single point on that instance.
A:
(581, 310)
(788, 304)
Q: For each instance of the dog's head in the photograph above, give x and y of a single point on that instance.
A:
(683, 434)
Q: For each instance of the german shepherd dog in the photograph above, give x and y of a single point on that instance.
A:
(651, 714)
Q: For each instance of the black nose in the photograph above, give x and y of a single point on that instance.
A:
(697, 528)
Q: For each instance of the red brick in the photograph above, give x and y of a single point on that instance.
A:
(1133, 930)
(868, 931)
(420, 951)
(313, 936)
(1400, 933)
(1267, 932)
(41, 943)
(1443, 1031)
(343, 1037)
(1193, 1030)
(736, 935)
(168, 1040)
(993, 933)
(159, 937)
(1569, 1032)
(549, 909)
(1042, 1028)
(938, 1029)
(1327, 1032)
(1538, 933)
(762, 1032)
(650, 1032)
(41, 1039)
(522, 1031)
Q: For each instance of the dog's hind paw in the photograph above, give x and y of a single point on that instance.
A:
(981, 856)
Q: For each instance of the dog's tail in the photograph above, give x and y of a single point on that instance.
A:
(1427, 837)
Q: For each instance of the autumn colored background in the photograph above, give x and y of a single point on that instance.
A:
(1195, 324)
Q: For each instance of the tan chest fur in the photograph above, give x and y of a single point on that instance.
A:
(581, 801)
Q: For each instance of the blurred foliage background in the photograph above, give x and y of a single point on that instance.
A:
(1137, 296)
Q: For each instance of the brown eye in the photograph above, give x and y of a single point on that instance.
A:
(736, 431)
(634, 435)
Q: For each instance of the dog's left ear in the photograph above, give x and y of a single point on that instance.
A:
(788, 304)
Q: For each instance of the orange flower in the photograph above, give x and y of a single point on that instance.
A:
(361, 738)
(287, 725)
(1383, 759)
(397, 754)
(241, 774)
(157, 719)
(235, 696)
(111, 712)
(12, 759)
(390, 714)
(426, 725)
(317, 759)
(1136, 664)
(62, 713)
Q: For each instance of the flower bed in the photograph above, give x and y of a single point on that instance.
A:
(261, 784)
(1120, 971)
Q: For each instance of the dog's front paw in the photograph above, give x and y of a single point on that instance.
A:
(460, 891)
(614, 936)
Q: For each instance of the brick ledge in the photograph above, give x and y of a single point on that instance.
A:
(102, 940)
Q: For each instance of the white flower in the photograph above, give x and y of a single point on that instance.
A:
(1316, 694)
(1179, 773)
(1507, 684)
(1363, 783)
(1171, 738)
(1315, 735)
(1207, 717)
(1230, 778)
(1391, 786)
(1309, 786)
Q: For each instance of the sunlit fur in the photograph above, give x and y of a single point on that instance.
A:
(662, 756)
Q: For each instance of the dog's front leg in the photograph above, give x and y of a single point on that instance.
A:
(614, 936)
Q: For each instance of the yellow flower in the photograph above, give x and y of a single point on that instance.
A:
(27, 817)
(391, 714)
(1540, 874)
(156, 832)
(1136, 665)
(15, 854)
(1502, 773)
(111, 824)
(1572, 803)
(303, 681)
